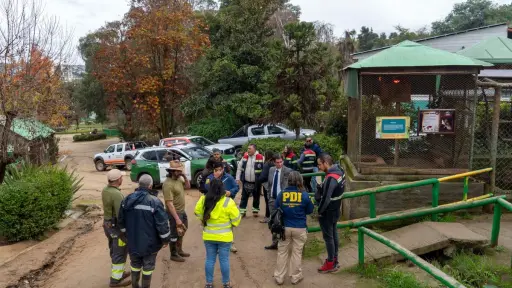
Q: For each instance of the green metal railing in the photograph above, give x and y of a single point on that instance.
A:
(429, 268)
(434, 182)
(498, 201)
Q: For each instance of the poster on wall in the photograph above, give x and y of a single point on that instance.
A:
(393, 127)
(437, 121)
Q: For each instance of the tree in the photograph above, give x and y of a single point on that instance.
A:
(307, 79)
(366, 39)
(472, 14)
(32, 46)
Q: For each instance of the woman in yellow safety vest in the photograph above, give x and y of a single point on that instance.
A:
(218, 214)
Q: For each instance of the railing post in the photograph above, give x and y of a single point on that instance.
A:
(373, 204)
(466, 188)
(435, 199)
(496, 223)
(360, 246)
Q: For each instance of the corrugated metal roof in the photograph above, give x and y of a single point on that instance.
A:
(497, 50)
(436, 37)
(29, 129)
(412, 54)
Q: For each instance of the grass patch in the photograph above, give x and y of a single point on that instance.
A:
(315, 245)
(390, 277)
(475, 271)
(81, 129)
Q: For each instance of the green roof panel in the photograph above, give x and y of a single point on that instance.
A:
(30, 129)
(496, 50)
(412, 54)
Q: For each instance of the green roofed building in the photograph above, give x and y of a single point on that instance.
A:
(31, 140)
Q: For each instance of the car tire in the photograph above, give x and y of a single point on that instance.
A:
(128, 164)
(100, 165)
(198, 178)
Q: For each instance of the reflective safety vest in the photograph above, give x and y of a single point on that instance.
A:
(340, 179)
(290, 161)
(309, 162)
(258, 166)
(223, 217)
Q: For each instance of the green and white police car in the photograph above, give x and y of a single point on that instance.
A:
(155, 160)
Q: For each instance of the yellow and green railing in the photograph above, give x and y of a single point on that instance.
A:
(434, 182)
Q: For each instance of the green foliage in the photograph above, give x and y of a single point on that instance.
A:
(477, 270)
(33, 200)
(214, 128)
(329, 144)
(89, 137)
(390, 277)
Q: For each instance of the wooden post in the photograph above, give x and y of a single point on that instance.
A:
(397, 144)
(494, 135)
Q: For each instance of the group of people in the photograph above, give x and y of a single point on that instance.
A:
(141, 225)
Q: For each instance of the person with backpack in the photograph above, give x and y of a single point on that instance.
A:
(218, 215)
(329, 209)
(295, 204)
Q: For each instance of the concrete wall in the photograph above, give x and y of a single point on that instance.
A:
(403, 199)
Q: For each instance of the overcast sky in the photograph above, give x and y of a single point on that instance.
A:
(84, 16)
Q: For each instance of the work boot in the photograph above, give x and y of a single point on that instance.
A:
(121, 283)
(135, 279)
(233, 248)
(175, 256)
(146, 281)
(179, 247)
(273, 246)
(328, 267)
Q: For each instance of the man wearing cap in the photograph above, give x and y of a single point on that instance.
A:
(142, 217)
(174, 195)
(111, 197)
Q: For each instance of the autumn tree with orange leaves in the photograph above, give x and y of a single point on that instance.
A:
(32, 46)
(142, 60)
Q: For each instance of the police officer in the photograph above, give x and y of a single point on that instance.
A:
(112, 197)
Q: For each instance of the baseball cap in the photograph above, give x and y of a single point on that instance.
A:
(114, 174)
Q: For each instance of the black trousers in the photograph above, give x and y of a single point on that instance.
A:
(267, 210)
(254, 190)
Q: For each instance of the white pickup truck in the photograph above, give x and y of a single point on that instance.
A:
(250, 132)
(118, 155)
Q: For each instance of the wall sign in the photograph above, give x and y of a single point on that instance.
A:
(437, 121)
(393, 127)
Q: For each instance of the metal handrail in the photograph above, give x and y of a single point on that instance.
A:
(444, 278)
(435, 182)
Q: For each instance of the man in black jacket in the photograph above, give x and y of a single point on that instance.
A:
(329, 209)
(143, 218)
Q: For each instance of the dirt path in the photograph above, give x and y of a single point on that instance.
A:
(88, 264)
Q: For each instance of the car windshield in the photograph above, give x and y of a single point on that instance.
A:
(197, 152)
(202, 141)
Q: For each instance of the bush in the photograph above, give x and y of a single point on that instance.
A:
(329, 144)
(33, 200)
(215, 128)
(89, 137)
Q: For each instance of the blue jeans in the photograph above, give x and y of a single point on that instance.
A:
(212, 249)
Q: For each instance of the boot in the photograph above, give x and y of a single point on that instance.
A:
(135, 279)
(271, 247)
(179, 246)
(121, 283)
(174, 253)
(328, 267)
(146, 281)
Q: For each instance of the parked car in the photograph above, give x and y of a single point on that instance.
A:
(227, 149)
(118, 155)
(155, 160)
(250, 132)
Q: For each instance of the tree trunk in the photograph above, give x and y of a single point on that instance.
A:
(4, 145)
(297, 133)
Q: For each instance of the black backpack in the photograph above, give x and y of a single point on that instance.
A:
(276, 223)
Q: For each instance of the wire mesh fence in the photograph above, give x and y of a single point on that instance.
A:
(438, 112)
(482, 147)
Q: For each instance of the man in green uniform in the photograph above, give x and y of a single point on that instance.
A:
(174, 195)
(112, 197)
